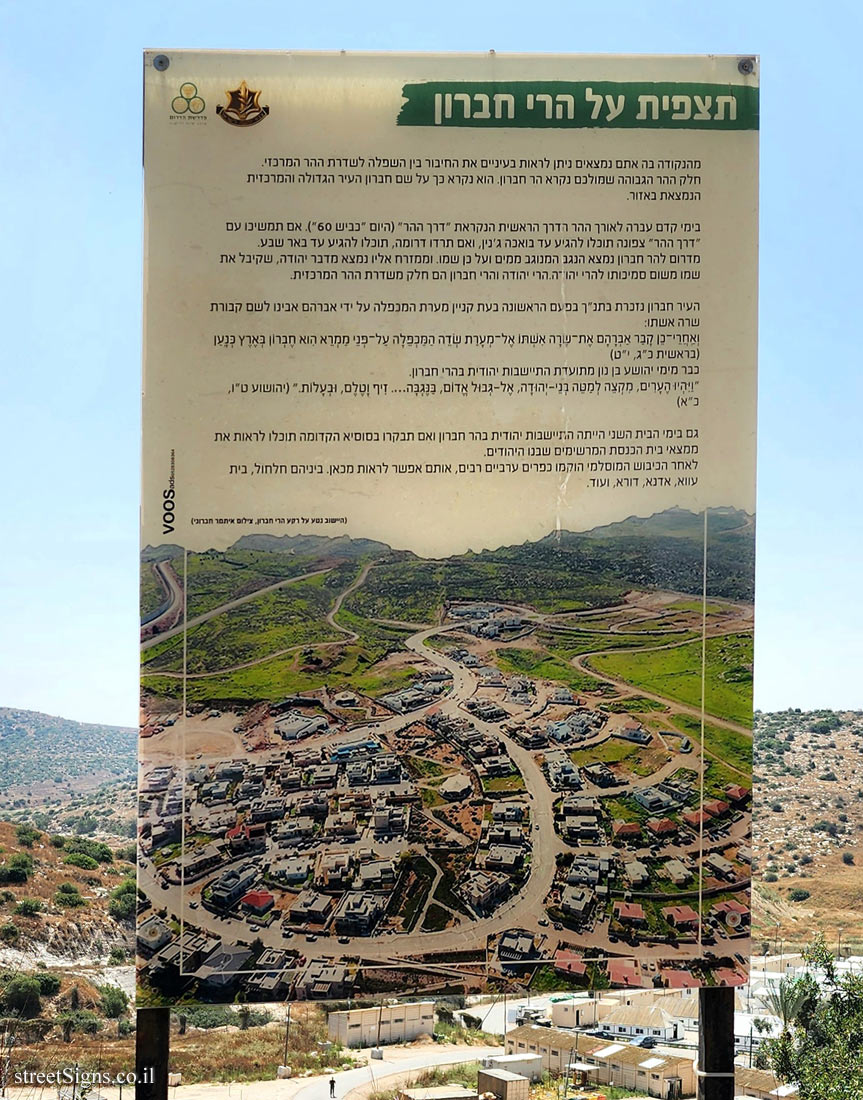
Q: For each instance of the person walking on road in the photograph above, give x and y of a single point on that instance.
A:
(332, 1088)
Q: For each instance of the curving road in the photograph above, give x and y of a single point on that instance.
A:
(581, 662)
(223, 607)
(526, 907)
(350, 634)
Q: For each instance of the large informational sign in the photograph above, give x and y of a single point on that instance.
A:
(448, 523)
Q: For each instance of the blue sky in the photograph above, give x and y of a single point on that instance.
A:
(70, 186)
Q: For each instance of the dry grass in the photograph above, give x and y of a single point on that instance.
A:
(216, 1054)
(65, 929)
(219, 1055)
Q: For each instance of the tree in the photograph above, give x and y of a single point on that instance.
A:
(821, 1048)
(22, 996)
(788, 1000)
(114, 1003)
(123, 901)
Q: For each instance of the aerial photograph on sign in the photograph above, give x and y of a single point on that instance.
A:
(491, 770)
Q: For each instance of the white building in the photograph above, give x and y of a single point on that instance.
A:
(638, 1021)
(399, 1023)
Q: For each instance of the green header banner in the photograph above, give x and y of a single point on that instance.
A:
(566, 104)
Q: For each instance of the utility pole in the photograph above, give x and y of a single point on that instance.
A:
(716, 1043)
(152, 1035)
(287, 1035)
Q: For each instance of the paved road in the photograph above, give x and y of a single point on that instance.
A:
(525, 908)
(343, 595)
(173, 594)
(350, 634)
(223, 607)
(522, 910)
(398, 1061)
(375, 1071)
(582, 664)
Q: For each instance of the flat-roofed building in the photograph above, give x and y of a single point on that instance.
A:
(398, 1023)
(527, 1065)
(637, 1021)
(311, 907)
(503, 1084)
(152, 934)
(677, 872)
(577, 902)
(230, 886)
(358, 912)
(628, 1066)
(439, 1092)
(324, 980)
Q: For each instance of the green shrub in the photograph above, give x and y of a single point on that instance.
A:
(83, 1020)
(22, 996)
(28, 907)
(69, 896)
(49, 984)
(17, 869)
(798, 895)
(95, 849)
(27, 835)
(208, 1016)
(78, 859)
(9, 933)
(122, 907)
(114, 1001)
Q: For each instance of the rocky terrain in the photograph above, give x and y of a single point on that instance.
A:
(808, 826)
(64, 900)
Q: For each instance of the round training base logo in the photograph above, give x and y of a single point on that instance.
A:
(188, 100)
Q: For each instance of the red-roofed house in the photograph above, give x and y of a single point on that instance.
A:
(624, 829)
(247, 837)
(567, 962)
(726, 976)
(696, 818)
(681, 916)
(629, 911)
(624, 972)
(661, 826)
(736, 793)
(258, 902)
(716, 807)
(679, 979)
(725, 909)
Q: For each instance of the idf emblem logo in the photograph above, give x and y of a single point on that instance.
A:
(243, 107)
